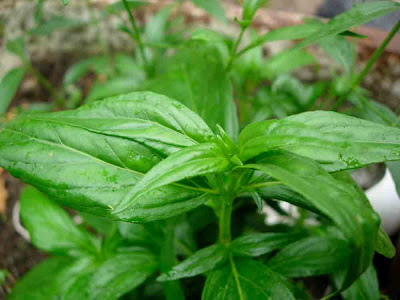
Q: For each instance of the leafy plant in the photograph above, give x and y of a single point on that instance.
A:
(167, 179)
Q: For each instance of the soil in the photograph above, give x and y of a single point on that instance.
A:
(16, 254)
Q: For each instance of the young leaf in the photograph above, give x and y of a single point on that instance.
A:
(97, 64)
(213, 7)
(120, 139)
(359, 14)
(56, 23)
(244, 278)
(257, 244)
(285, 62)
(196, 76)
(64, 2)
(113, 87)
(17, 47)
(120, 274)
(250, 7)
(198, 160)
(333, 198)
(9, 86)
(51, 228)
(384, 245)
(337, 141)
(155, 29)
(200, 262)
(311, 256)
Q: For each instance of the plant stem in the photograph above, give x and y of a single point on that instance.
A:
(225, 219)
(233, 54)
(378, 52)
(137, 34)
(43, 80)
(172, 289)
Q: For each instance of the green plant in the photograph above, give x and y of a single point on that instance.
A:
(168, 186)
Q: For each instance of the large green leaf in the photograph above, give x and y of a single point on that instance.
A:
(90, 158)
(51, 228)
(257, 244)
(196, 76)
(120, 274)
(338, 200)
(200, 262)
(336, 141)
(244, 278)
(198, 160)
(311, 256)
(9, 86)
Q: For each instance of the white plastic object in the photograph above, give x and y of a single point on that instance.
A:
(386, 202)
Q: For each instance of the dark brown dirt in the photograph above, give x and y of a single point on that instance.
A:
(16, 255)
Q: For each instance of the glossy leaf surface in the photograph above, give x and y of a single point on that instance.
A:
(257, 244)
(244, 278)
(310, 257)
(333, 198)
(336, 141)
(119, 140)
(200, 262)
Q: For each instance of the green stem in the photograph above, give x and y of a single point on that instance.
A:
(137, 34)
(233, 54)
(225, 220)
(172, 289)
(43, 80)
(378, 52)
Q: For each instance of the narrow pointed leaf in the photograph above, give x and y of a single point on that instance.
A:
(9, 86)
(198, 160)
(257, 244)
(333, 198)
(336, 141)
(213, 7)
(311, 257)
(250, 7)
(120, 274)
(244, 278)
(200, 262)
(50, 227)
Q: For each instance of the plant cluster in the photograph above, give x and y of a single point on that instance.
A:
(168, 179)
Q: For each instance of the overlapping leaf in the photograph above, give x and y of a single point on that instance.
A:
(333, 198)
(200, 262)
(51, 228)
(244, 278)
(196, 76)
(336, 141)
(90, 158)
